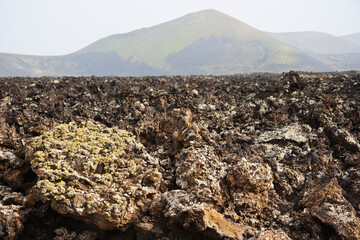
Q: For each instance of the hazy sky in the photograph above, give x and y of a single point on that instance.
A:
(54, 27)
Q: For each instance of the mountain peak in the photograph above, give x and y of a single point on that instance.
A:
(209, 15)
(208, 12)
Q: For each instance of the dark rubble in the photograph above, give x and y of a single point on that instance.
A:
(252, 156)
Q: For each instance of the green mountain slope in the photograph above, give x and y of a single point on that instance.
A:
(228, 55)
(355, 38)
(153, 45)
(158, 46)
(341, 62)
(99, 64)
(316, 43)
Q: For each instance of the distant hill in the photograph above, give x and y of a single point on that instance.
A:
(338, 53)
(205, 42)
(93, 63)
(355, 38)
(341, 62)
(317, 43)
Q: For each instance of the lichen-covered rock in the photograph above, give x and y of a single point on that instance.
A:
(169, 134)
(292, 133)
(289, 180)
(177, 206)
(98, 174)
(285, 140)
(288, 148)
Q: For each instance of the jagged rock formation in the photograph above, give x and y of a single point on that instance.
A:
(198, 157)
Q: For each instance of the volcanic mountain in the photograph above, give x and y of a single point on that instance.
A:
(205, 42)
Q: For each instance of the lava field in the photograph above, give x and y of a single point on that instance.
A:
(250, 156)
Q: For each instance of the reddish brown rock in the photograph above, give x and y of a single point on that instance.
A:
(180, 207)
(224, 228)
(13, 177)
(181, 126)
(249, 185)
(12, 214)
(323, 199)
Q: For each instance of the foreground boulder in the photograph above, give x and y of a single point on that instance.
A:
(98, 174)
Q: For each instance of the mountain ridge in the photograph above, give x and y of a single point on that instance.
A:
(354, 37)
(314, 43)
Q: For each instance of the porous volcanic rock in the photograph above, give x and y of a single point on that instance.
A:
(12, 213)
(323, 200)
(249, 185)
(98, 174)
(271, 235)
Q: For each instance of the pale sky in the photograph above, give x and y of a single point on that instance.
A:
(56, 27)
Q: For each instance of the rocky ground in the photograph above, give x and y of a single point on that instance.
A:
(257, 156)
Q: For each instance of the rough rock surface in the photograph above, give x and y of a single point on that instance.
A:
(11, 213)
(271, 235)
(323, 200)
(98, 174)
(256, 156)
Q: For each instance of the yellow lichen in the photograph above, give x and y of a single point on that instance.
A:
(95, 166)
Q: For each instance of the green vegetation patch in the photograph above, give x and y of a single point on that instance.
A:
(89, 169)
